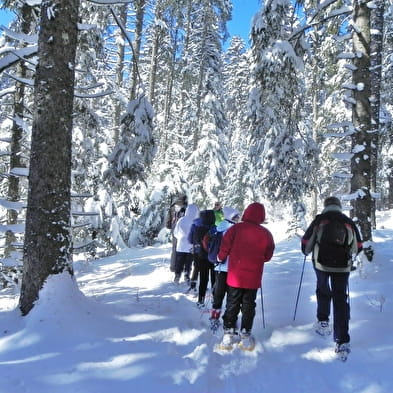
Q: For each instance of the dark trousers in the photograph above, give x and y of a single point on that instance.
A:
(205, 269)
(220, 289)
(332, 287)
(240, 299)
(183, 263)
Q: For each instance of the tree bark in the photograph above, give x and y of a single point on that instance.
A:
(377, 22)
(361, 117)
(16, 138)
(47, 248)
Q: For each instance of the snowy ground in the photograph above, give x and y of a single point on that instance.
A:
(128, 328)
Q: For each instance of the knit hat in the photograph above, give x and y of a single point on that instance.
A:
(230, 213)
(332, 201)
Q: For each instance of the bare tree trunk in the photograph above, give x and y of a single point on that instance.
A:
(16, 138)
(377, 22)
(119, 75)
(140, 13)
(47, 247)
(361, 117)
(154, 52)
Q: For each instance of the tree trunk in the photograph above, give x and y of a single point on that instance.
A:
(361, 117)
(16, 138)
(119, 75)
(140, 13)
(376, 71)
(47, 248)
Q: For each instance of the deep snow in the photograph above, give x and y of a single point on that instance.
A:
(126, 327)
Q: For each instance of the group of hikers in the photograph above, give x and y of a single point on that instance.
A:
(230, 249)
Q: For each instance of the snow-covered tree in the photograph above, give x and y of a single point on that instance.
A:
(276, 147)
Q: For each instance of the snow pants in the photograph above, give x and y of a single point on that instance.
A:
(240, 299)
(220, 289)
(183, 263)
(332, 287)
(206, 271)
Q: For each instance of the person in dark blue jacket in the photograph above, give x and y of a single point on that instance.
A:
(202, 266)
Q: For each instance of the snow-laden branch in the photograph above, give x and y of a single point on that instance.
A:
(311, 23)
(110, 2)
(17, 206)
(25, 81)
(16, 228)
(28, 39)
(94, 95)
(18, 54)
(9, 90)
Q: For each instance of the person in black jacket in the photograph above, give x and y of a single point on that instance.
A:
(202, 266)
(332, 274)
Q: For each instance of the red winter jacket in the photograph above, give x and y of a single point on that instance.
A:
(249, 246)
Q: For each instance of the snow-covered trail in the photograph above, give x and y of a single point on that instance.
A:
(128, 327)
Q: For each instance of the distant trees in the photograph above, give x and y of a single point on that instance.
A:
(161, 108)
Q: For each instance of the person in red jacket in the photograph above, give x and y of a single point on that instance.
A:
(247, 245)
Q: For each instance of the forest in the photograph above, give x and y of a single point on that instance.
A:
(112, 109)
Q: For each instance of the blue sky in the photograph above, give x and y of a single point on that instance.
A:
(243, 11)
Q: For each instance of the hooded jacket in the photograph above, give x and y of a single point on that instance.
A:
(248, 246)
(183, 227)
(199, 228)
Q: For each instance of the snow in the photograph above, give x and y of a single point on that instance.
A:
(122, 326)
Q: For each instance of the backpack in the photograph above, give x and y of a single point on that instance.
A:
(211, 244)
(332, 238)
(199, 229)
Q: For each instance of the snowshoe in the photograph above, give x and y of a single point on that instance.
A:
(247, 341)
(323, 328)
(229, 339)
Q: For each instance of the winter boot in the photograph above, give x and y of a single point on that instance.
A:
(201, 303)
(342, 350)
(247, 340)
(176, 279)
(192, 289)
(323, 328)
(228, 339)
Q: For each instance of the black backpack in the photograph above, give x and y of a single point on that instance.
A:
(332, 238)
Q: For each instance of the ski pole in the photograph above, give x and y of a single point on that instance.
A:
(263, 310)
(300, 285)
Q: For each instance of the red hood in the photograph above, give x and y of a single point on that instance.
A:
(254, 213)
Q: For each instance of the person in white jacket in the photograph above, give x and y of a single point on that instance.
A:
(184, 247)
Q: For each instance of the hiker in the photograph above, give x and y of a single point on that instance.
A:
(231, 217)
(247, 245)
(202, 266)
(218, 212)
(332, 262)
(175, 212)
(183, 246)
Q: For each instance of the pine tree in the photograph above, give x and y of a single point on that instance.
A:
(276, 149)
(48, 238)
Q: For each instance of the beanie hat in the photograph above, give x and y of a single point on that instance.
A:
(230, 213)
(332, 201)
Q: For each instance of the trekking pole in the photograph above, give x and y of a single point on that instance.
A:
(263, 309)
(300, 285)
